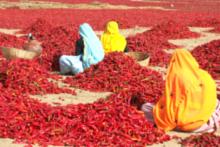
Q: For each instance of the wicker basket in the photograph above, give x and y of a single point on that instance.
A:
(13, 53)
(142, 58)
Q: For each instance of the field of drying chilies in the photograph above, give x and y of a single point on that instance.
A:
(115, 119)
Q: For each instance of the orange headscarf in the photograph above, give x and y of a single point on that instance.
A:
(190, 95)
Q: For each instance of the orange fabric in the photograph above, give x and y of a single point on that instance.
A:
(190, 95)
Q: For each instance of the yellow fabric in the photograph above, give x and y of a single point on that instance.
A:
(111, 39)
(190, 95)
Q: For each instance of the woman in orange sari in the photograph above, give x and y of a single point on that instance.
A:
(189, 102)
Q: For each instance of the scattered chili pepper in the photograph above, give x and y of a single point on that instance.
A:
(206, 139)
(208, 56)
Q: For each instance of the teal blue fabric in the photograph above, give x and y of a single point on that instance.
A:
(93, 51)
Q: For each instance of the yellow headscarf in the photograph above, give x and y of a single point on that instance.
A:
(111, 39)
(190, 95)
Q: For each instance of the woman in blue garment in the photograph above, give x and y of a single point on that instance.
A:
(92, 52)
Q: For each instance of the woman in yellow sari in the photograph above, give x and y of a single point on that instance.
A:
(189, 102)
(112, 40)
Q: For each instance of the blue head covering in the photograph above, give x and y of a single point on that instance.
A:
(93, 51)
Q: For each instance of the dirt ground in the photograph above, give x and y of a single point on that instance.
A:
(56, 5)
(89, 97)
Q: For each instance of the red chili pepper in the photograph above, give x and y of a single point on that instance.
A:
(206, 139)
(208, 57)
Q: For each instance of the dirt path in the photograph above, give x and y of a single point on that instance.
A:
(190, 44)
(57, 5)
(81, 97)
(10, 31)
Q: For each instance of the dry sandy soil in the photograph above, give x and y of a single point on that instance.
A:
(89, 97)
(55, 5)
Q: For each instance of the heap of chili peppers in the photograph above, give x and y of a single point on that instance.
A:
(40, 28)
(11, 41)
(56, 41)
(208, 56)
(156, 40)
(118, 72)
(203, 140)
(103, 123)
(29, 77)
(50, 37)
(172, 30)
(54, 47)
(207, 22)
(217, 29)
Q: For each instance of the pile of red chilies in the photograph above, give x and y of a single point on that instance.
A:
(118, 72)
(207, 22)
(40, 28)
(156, 40)
(56, 41)
(112, 122)
(11, 41)
(204, 140)
(217, 29)
(212, 22)
(29, 77)
(208, 56)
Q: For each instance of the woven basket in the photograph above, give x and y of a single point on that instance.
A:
(13, 53)
(142, 58)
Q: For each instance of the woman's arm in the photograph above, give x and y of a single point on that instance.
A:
(126, 49)
(79, 47)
